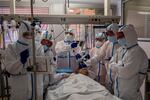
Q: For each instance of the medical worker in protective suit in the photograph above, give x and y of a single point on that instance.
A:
(68, 43)
(107, 51)
(48, 45)
(96, 72)
(129, 65)
(66, 49)
(17, 68)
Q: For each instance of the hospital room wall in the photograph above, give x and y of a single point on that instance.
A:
(57, 9)
(139, 8)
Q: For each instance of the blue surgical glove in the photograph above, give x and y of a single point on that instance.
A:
(86, 57)
(74, 45)
(78, 56)
(24, 55)
(82, 65)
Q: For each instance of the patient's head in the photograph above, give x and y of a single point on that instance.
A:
(83, 71)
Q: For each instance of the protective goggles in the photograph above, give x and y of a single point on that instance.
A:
(110, 33)
(98, 39)
(46, 42)
(69, 33)
(120, 35)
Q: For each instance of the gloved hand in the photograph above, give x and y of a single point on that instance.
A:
(74, 45)
(82, 65)
(86, 57)
(6, 73)
(54, 58)
(24, 55)
(30, 68)
(78, 56)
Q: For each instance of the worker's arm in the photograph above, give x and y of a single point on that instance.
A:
(100, 56)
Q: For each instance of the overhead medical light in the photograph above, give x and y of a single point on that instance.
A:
(71, 10)
(144, 13)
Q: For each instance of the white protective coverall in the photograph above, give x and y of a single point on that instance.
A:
(48, 52)
(95, 72)
(20, 79)
(64, 51)
(129, 65)
(106, 51)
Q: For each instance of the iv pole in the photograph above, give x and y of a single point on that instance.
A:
(34, 58)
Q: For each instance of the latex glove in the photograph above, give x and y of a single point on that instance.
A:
(54, 58)
(29, 69)
(82, 65)
(24, 55)
(74, 45)
(86, 57)
(6, 73)
(78, 56)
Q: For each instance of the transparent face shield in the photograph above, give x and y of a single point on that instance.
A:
(110, 33)
(69, 36)
(120, 35)
(47, 42)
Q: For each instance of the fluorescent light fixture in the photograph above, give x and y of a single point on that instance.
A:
(144, 13)
(70, 10)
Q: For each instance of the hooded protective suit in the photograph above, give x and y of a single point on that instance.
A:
(65, 53)
(47, 44)
(129, 65)
(106, 52)
(16, 64)
(96, 72)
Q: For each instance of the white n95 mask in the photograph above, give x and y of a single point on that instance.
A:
(112, 39)
(122, 41)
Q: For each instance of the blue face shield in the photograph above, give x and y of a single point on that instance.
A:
(122, 41)
(112, 39)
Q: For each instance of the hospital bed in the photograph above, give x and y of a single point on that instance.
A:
(79, 87)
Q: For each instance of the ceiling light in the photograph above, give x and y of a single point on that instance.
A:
(144, 13)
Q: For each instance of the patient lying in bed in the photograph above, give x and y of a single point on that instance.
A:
(79, 87)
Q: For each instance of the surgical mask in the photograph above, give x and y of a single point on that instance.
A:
(69, 37)
(98, 44)
(112, 39)
(122, 41)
